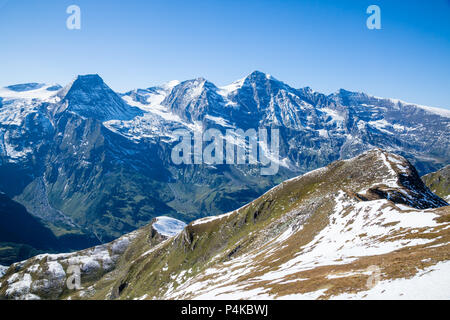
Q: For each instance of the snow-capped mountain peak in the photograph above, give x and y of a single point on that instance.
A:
(259, 75)
(170, 85)
(90, 97)
(232, 87)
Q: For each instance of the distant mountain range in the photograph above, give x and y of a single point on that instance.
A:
(366, 227)
(91, 164)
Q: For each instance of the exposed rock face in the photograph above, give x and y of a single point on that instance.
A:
(363, 227)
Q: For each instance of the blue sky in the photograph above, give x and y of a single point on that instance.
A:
(322, 44)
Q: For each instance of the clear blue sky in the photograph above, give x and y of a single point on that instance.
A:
(321, 44)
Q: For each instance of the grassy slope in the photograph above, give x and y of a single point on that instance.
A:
(240, 248)
(439, 182)
(306, 201)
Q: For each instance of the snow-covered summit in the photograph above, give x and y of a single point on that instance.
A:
(168, 226)
(90, 97)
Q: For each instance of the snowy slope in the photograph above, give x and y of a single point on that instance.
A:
(359, 235)
(430, 283)
(2, 270)
(366, 227)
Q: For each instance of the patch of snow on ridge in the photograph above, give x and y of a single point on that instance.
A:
(431, 283)
(43, 92)
(356, 234)
(154, 106)
(398, 162)
(55, 269)
(439, 111)
(170, 84)
(335, 116)
(3, 270)
(381, 125)
(19, 286)
(227, 90)
(168, 227)
(236, 85)
(392, 180)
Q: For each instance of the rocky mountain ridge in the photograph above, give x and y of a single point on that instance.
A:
(366, 227)
(95, 164)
